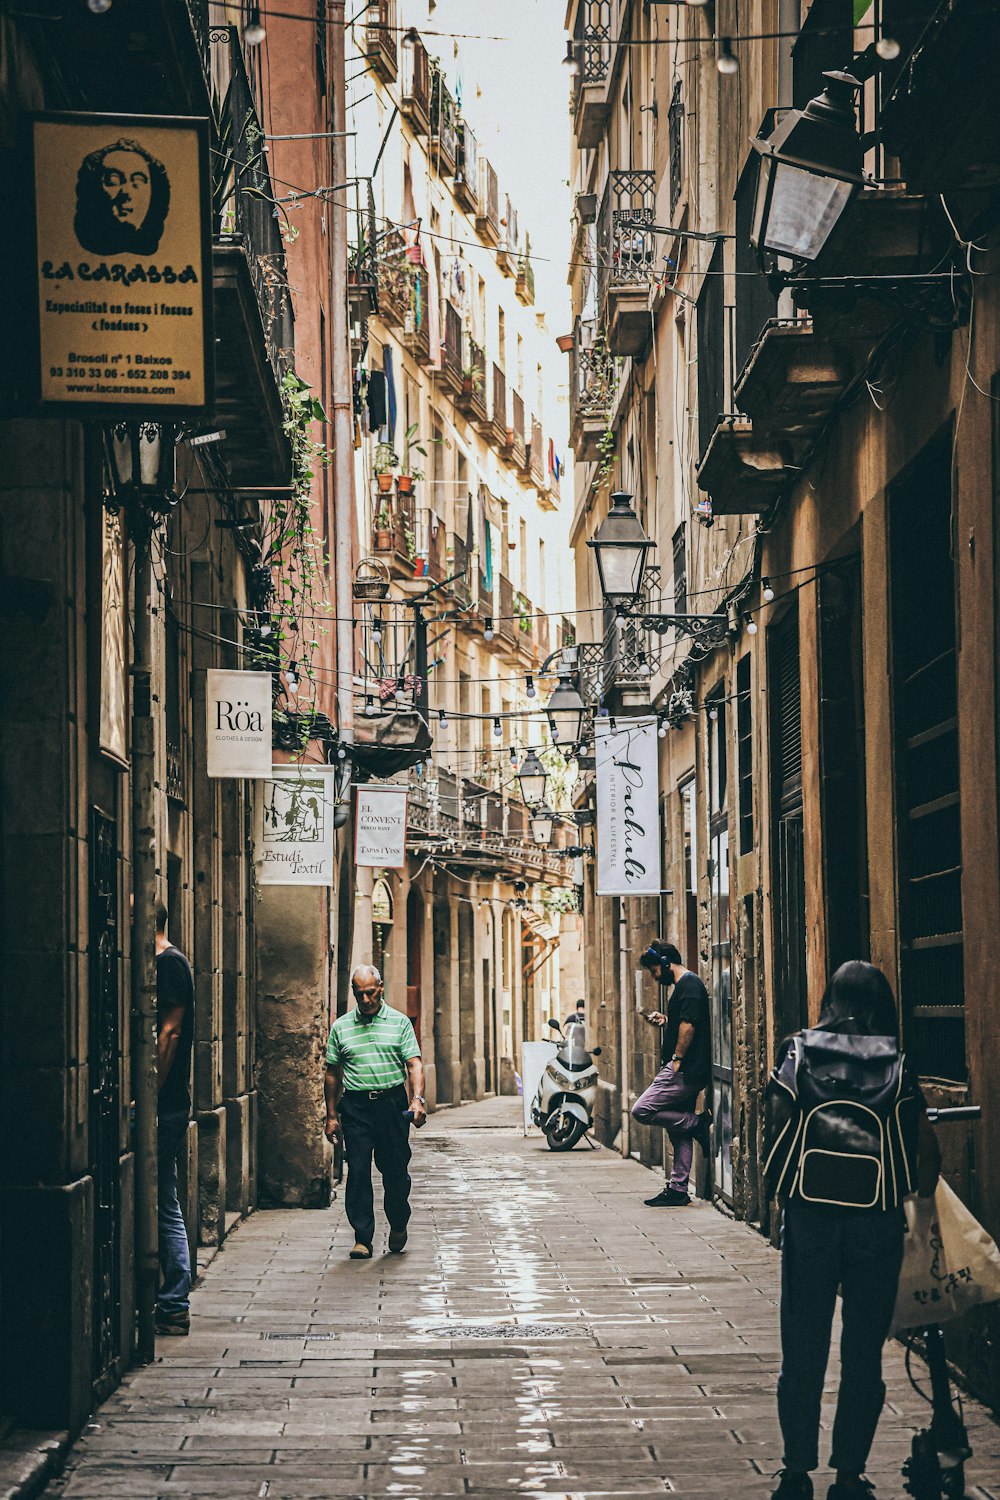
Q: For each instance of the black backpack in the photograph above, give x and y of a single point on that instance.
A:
(841, 1122)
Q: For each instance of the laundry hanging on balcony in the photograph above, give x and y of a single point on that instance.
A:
(390, 394)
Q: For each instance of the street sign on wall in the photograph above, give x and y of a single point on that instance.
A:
(295, 826)
(238, 723)
(380, 827)
(123, 265)
(628, 822)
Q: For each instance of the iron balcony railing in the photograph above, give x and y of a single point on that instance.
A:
(243, 210)
(395, 275)
(415, 90)
(467, 165)
(460, 570)
(472, 397)
(626, 244)
(488, 217)
(431, 550)
(444, 125)
(593, 374)
(506, 625)
(380, 38)
(499, 410)
(452, 351)
(592, 35)
(517, 427)
(536, 456)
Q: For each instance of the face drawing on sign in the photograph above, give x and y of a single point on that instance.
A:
(122, 200)
(295, 813)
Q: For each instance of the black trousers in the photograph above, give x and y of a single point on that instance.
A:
(376, 1128)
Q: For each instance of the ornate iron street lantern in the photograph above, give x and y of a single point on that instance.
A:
(533, 779)
(621, 549)
(542, 823)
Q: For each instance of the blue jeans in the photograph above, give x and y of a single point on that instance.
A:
(175, 1256)
(861, 1251)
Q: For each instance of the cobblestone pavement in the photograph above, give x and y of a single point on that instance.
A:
(544, 1334)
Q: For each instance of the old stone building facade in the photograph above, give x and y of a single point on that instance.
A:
(814, 454)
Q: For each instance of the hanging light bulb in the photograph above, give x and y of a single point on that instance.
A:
(341, 753)
(442, 717)
(291, 678)
(531, 690)
(371, 708)
(497, 729)
(513, 756)
(264, 632)
(99, 7)
(488, 628)
(887, 48)
(713, 714)
(725, 60)
(643, 665)
(751, 624)
(766, 591)
(253, 31)
(662, 731)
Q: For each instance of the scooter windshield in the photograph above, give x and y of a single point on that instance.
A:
(572, 1053)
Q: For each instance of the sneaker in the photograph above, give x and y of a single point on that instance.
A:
(397, 1240)
(669, 1198)
(702, 1132)
(173, 1324)
(361, 1251)
(792, 1486)
(851, 1487)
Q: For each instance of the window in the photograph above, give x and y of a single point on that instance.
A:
(680, 570)
(789, 905)
(711, 351)
(744, 752)
(689, 866)
(675, 128)
(501, 339)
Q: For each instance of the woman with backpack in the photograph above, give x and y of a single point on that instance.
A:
(848, 1139)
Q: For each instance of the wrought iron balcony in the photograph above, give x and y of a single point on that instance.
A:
(515, 433)
(506, 625)
(792, 381)
(394, 277)
(452, 360)
(460, 570)
(488, 217)
(742, 470)
(444, 125)
(415, 84)
(394, 535)
(380, 39)
(525, 284)
(467, 167)
(416, 324)
(593, 43)
(363, 262)
(254, 322)
(431, 559)
(593, 380)
(472, 397)
(498, 413)
(525, 622)
(536, 453)
(626, 259)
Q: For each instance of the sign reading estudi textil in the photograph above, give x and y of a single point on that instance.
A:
(628, 842)
(238, 723)
(380, 827)
(295, 826)
(123, 265)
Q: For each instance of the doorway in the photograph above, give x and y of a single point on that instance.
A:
(789, 905)
(104, 945)
(721, 954)
(414, 958)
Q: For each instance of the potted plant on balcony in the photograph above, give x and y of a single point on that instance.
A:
(408, 475)
(383, 530)
(384, 462)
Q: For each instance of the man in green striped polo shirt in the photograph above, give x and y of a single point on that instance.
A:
(374, 1074)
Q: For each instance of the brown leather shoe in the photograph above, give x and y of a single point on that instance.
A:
(397, 1240)
(361, 1251)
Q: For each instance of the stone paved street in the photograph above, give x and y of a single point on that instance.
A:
(545, 1334)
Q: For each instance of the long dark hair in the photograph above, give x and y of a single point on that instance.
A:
(859, 1001)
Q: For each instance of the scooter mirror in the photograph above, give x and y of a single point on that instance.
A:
(555, 1025)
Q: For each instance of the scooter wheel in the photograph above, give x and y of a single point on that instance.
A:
(566, 1139)
(953, 1482)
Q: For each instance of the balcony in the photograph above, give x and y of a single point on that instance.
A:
(416, 327)
(550, 493)
(536, 454)
(431, 552)
(497, 430)
(380, 39)
(792, 381)
(444, 125)
(253, 309)
(944, 149)
(467, 167)
(507, 249)
(459, 570)
(744, 472)
(506, 626)
(488, 217)
(592, 97)
(452, 366)
(592, 390)
(395, 275)
(626, 260)
(363, 264)
(472, 398)
(484, 599)
(415, 84)
(394, 535)
(525, 622)
(516, 445)
(525, 283)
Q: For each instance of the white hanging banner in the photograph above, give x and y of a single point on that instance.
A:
(238, 723)
(380, 827)
(628, 818)
(295, 826)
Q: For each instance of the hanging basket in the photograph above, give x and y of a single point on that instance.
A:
(371, 580)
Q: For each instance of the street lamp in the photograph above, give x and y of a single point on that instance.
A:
(533, 778)
(810, 169)
(565, 710)
(542, 821)
(620, 548)
(140, 459)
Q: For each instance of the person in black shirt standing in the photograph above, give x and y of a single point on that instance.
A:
(175, 1034)
(686, 1069)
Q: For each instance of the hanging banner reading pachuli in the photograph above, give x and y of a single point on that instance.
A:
(628, 837)
(123, 265)
(238, 723)
(295, 826)
(380, 827)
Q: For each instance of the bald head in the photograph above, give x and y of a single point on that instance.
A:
(366, 982)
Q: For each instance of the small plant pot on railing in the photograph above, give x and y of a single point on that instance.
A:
(382, 539)
(385, 483)
(404, 483)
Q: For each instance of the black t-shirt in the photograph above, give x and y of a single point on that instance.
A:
(689, 1002)
(175, 987)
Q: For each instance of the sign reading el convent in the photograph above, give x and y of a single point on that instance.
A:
(123, 263)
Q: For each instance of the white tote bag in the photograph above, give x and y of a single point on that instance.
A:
(949, 1262)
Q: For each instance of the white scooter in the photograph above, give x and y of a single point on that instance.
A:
(567, 1091)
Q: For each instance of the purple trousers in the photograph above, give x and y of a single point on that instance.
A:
(670, 1103)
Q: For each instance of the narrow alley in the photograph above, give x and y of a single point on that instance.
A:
(544, 1333)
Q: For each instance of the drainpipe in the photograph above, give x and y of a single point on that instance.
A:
(623, 1009)
(144, 1074)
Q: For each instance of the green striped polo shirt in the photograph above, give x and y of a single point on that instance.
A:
(372, 1053)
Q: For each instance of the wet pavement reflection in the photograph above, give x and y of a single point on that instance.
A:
(544, 1334)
